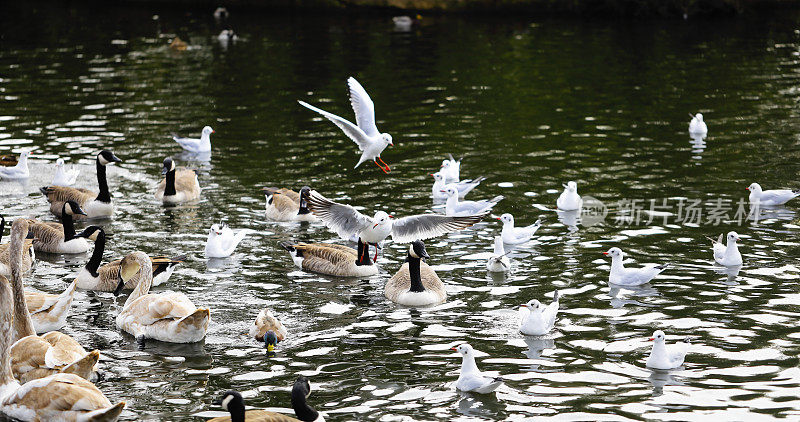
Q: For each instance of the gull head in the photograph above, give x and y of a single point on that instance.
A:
(387, 138)
(60, 163)
(24, 155)
(571, 186)
(754, 187)
(381, 219)
(450, 191)
(169, 165)
(465, 349)
(417, 250)
(533, 305)
(658, 336)
(215, 230)
(699, 117)
(445, 164)
(507, 219)
(614, 252)
(733, 237)
(437, 176)
(207, 131)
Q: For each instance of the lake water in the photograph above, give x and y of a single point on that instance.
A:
(528, 103)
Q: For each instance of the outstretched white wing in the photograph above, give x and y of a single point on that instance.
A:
(352, 131)
(341, 218)
(363, 107)
(426, 226)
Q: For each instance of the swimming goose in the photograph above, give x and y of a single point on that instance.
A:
(451, 168)
(498, 262)
(222, 241)
(170, 316)
(105, 278)
(456, 208)
(666, 357)
(536, 319)
(349, 223)
(60, 238)
(569, 200)
(463, 187)
(287, 205)
(331, 259)
(266, 322)
(233, 402)
(727, 254)
(622, 276)
(697, 125)
(770, 197)
(517, 235)
(196, 145)
(178, 186)
(27, 259)
(55, 397)
(94, 204)
(33, 356)
(470, 379)
(415, 284)
(64, 177)
(19, 171)
(365, 134)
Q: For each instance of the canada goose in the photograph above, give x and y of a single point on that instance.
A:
(330, 259)
(60, 238)
(8, 160)
(179, 185)
(233, 402)
(33, 356)
(105, 278)
(416, 284)
(287, 205)
(264, 323)
(94, 204)
(169, 316)
(27, 259)
(178, 44)
(64, 177)
(19, 171)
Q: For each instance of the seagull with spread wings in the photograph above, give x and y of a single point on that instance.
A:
(370, 142)
(348, 223)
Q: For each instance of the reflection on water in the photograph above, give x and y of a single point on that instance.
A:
(528, 103)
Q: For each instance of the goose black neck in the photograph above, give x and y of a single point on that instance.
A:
(69, 226)
(363, 254)
(103, 195)
(237, 411)
(2, 227)
(413, 271)
(97, 254)
(302, 410)
(169, 190)
(303, 207)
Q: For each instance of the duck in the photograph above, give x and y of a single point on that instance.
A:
(569, 200)
(19, 171)
(233, 402)
(471, 379)
(727, 254)
(451, 168)
(222, 241)
(536, 319)
(169, 317)
(95, 205)
(498, 262)
(517, 235)
(463, 187)
(104, 278)
(64, 177)
(697, 125)
(60, 396)
(178, 44)
(27, 259)
(33, 356)
(60, 238)
(622, 276)
(456, 208)
(178, 186)
(770, 197)
(415, 284)
(331, 259)
(266, 323)
(666, 357)
(196, 145)
(287, 205)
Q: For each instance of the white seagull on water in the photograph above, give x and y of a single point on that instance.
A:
(471, 379)
(622, 276)
(537, 319)
(770, 197)
(666, 357)
(451, 168)
(697, 125)
(222, 241)
(498, 262)
(569, 199)
(19, 171)
(64, 177)
(464, 187)
(196, 145)
(454, 207)
(370, 142)
(517, 235)
(727, 254)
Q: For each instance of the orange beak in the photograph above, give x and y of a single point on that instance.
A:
(605, 253)
(374, 226)
(213, 131)
(651, 339)
(453, 349)
(747, 188)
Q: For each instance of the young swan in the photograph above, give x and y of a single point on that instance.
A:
(5, 253)
(666, 357)
(771, 197)
(622, 276)
(727, 254)
(498, 262)
(536, 319)
(517, 235)
(471, 379)
(569, 199)
(170, 316)
(178, 186)
(415, 284)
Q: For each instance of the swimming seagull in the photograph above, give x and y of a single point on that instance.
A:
(770, 197)
(697, 125)
(517, 235)
(622, 276)
(666, 357)
(455, 208)
(537, 319)
(348, 223)
(222, 241)
(64, 177)
(471, 379)
(19, 171)
(370, 142)
(498, 262)
(569, 199)
(451, 168)
(196, 145)
(464, 187)
(727, 254)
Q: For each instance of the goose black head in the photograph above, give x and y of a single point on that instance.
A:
(270, 341)
(233, 402)
(305, 191)
(91, 232)
(169, 165)
(106, 157)
(417, 250)
(300, 392)
(72, 208)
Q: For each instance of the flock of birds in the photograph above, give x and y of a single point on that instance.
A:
(46, 375)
